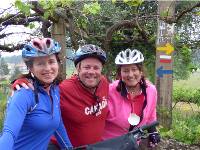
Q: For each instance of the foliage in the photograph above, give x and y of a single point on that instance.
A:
(185, 129)
(23, 7)
(186, 95)
(92, 20)
(3, 99)
(133, 2)
(15, 74)
(3, 67)
(93, 8)
(187, 90)
(186, 42)
(183, 64)
(50, 6)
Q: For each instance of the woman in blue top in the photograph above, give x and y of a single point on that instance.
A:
(32, 117)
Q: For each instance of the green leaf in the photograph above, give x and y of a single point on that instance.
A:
(46, 15)
(198, 13)
(65, 3)
(23, 7)
(114, 1)
(18, 4)
(93, 8)
(31, 25)
(133, 3)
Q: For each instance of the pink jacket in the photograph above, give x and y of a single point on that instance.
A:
(120, 109)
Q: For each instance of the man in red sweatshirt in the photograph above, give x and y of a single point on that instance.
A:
(84, 97)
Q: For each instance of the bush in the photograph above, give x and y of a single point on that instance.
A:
(2, 108)
(184, 129)
(186, 95)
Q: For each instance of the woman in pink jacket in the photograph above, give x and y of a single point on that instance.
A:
(132, 98)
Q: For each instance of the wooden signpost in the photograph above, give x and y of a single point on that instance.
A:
(164, 60)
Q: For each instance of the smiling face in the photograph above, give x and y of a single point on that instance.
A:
(89, 71)
(45, 68)
(131, 74)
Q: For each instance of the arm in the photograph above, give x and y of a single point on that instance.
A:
(152, 102)
(154, 137)
(21, 82)
(15, 114)
(62, 137)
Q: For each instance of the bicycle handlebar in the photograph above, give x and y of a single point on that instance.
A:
(139, 130)
(145, 127)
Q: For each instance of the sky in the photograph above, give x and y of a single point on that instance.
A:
(5, 4)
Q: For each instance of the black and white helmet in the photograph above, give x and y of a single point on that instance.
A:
(129, 57)
(89, 50)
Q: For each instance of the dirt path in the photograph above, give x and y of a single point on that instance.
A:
(170, 144)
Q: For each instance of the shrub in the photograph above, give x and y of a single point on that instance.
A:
(2, 108)
(184, 129)
(186, 95)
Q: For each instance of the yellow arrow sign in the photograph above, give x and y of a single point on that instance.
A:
(168, 48)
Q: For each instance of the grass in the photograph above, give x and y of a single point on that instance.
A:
(186, 116)
(2, 108)
(185, 128)
(193, 82)
(187, 107)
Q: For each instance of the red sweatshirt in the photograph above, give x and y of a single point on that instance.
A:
(77, 107)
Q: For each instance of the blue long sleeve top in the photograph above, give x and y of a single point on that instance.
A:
(29, 126)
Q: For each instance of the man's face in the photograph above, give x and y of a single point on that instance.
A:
(89, 70)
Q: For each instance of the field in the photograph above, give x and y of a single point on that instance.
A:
(193, 82)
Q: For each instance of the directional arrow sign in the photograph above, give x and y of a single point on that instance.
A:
(168, 48)
(160, 71)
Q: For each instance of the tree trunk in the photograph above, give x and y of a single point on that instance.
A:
(164, 68)
(59, 34)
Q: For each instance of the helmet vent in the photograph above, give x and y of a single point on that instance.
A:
(128, 56)
(48, 43)
(37, 45)
(28, 49)
(121, 55)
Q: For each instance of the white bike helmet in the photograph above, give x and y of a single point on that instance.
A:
(129, 57)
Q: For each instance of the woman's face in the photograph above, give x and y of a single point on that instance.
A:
(130, 74)
(45, 68)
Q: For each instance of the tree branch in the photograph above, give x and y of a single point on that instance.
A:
(39, 10)
(45, 25)
(22, 21)
(7, 34)
(9, 48)
(120, 25)
(178, 16)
